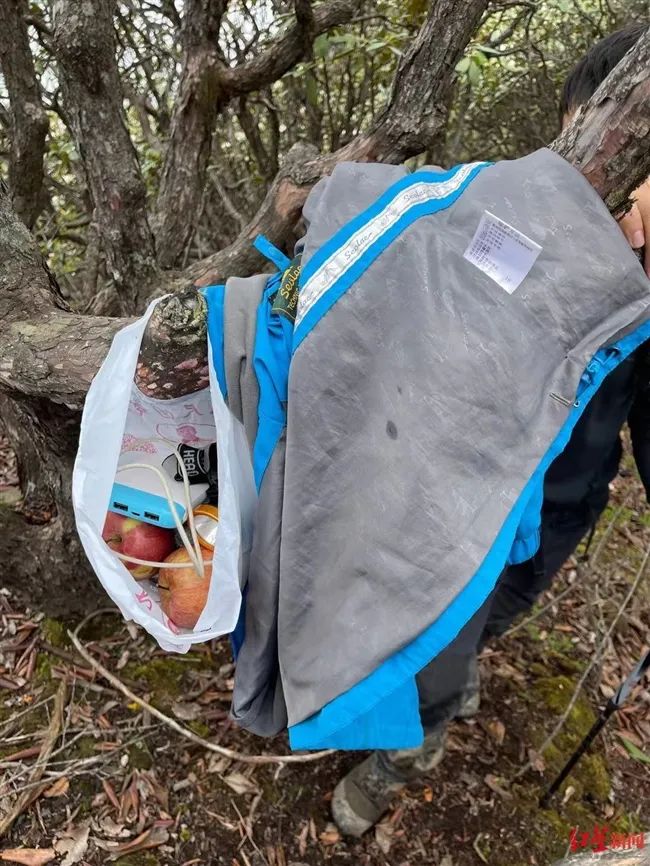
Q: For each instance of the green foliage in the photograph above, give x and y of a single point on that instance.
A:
(635, 751)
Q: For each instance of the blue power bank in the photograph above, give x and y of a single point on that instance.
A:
(145, 506)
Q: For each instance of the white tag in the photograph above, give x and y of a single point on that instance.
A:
(501, 252)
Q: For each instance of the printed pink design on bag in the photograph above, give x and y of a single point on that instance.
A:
(143, 598)
(170, 624)
(188, 434)
(132, 443)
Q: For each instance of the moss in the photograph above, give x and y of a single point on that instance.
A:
(556, 694)
(560, 643)
(55, 633)
(100, 626)
(592, 773)
(590, 777)
(164, 676)
(43, 669)
(199, 727)
(627, 822)
(533, 631)
(84, 747)
(185, 834)
(140, 758)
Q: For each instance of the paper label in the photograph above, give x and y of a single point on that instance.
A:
(500, 251)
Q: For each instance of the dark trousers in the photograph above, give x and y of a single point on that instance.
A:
(444, 683)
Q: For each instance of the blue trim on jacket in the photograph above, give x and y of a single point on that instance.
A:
(271, 360)
(354, 719)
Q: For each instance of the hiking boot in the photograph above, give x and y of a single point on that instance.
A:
(362, 797)
(470, 701)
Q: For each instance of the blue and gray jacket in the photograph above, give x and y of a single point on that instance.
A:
(401, 427)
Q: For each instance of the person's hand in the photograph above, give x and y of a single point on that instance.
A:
(636, 222)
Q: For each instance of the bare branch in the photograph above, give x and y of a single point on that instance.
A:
(416, 111)
(29, 120)
(288, 49)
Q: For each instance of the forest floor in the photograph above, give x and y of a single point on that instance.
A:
(109, 782)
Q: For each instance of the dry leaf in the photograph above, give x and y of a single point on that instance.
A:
(58, 789)
(384, 836)
(570, 791)
(187, 712)
(151, 838)
(536, 761)
(218, 764)
(240, 784)
(109, 827)
(302, 839)
(493, 783)
(28, 856)
(73, 844)
(330, 835)
(497, 730)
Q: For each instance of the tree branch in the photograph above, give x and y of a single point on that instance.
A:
(609, 139)
(288, 49)
(207, 86)
(415, 112)
(84, 45)
(29, 120)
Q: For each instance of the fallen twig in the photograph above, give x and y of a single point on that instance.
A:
(186, 732)
(53, 731)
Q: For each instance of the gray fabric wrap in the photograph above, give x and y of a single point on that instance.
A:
(419, 407)
(241, 300)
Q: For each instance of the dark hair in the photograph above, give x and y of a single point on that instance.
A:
(587, 75)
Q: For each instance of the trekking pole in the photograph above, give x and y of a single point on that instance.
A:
(613, 704)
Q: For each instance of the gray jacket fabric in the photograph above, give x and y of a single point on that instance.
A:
(425, 402)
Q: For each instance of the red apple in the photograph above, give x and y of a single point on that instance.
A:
(137, 538)
(183, 593)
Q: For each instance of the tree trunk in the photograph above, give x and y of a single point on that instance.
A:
(194, 117)
(29, 120)
(84, 45)
(207, 86)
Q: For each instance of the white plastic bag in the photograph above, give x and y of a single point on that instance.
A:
(115, 414)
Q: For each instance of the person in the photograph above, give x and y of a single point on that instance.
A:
(576, 490)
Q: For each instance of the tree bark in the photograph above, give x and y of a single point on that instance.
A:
(39, 548)
(195, 114)
(609, 139)
(207, 86)
(29, 120)
(84, 45)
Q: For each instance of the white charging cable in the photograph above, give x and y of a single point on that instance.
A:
(193, 548)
